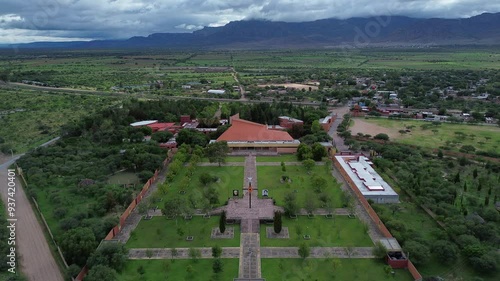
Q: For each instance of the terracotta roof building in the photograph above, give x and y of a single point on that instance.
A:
(244, 135)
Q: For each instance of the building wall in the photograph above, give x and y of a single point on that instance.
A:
(383, 199)
(287, 150)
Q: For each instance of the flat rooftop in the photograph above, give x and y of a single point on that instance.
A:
(143, 123)
(366, 179)
(291, 119)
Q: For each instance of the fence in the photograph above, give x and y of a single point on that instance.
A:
(373, 215)
(115, 230)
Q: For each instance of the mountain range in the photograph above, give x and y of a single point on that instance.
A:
(483, 29)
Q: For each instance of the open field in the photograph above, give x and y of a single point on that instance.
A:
(329, 269)
(486, 138)
(160, 232)
(32, 118)
(175, 270)
(269, 178)
(340, 231)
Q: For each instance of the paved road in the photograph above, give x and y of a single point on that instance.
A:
(337, 140)
(35, 256)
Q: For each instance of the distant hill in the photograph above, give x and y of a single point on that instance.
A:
(353, 32)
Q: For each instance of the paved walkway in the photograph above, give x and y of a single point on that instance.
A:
(250, 266)
(134, 218)
(337, 140)
(373, 230)
(182, 253)
(248, 257)
(294, 163)
(318, 252)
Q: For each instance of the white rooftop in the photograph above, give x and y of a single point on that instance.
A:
(366, 179)
(143, 123)
(290, 119)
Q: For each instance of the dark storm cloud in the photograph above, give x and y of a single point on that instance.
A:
(41, 20)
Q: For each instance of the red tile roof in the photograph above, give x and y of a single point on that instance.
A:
(243, 130)
(160, 126)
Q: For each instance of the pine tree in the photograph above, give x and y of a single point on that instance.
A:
(222, 222)
(278, 224)
(465, 186)
(486, 201)
(479, 186)
(474, 173)
(457, 178)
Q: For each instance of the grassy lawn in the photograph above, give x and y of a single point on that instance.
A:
(486, 138)
(329, 269)
(176, 270)
(231, 177)
(340, 231)
(284, 158)
(160, 232)
(269, 178)
(229, 159)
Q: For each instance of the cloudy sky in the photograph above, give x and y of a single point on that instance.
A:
(69, 20)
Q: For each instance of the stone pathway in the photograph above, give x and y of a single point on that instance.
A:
(250, 256)
(318, 252)
(134, 218)
(182, 253)
(208, 164)
(373, 230)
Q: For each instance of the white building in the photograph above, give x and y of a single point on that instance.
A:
(358, 172)
(217, 92)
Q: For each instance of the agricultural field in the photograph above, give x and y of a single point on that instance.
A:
(329, 269)
(30, 118)
(443, 135)
(160, 270)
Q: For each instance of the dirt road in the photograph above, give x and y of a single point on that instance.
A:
(35, 258)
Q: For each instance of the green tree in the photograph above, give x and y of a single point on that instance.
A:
(379, 250)
(206, 178)
(318, 152)
(318, 183)
(290, 205)
(222, 222)
(216, 251)
(440, 154)
(283, 167)
(162, 136)
(113, 255)
(217, 152)
(419, 253)
(77, 244)
(304, 152)
(310, 203)
(100, 273)
(278, 224)
(315, 127)
(194, 254)
(218, 265)
(308, 164)
(381, 136)
(304, 250)
(445, 251)
(474, 173)
(174, 206)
